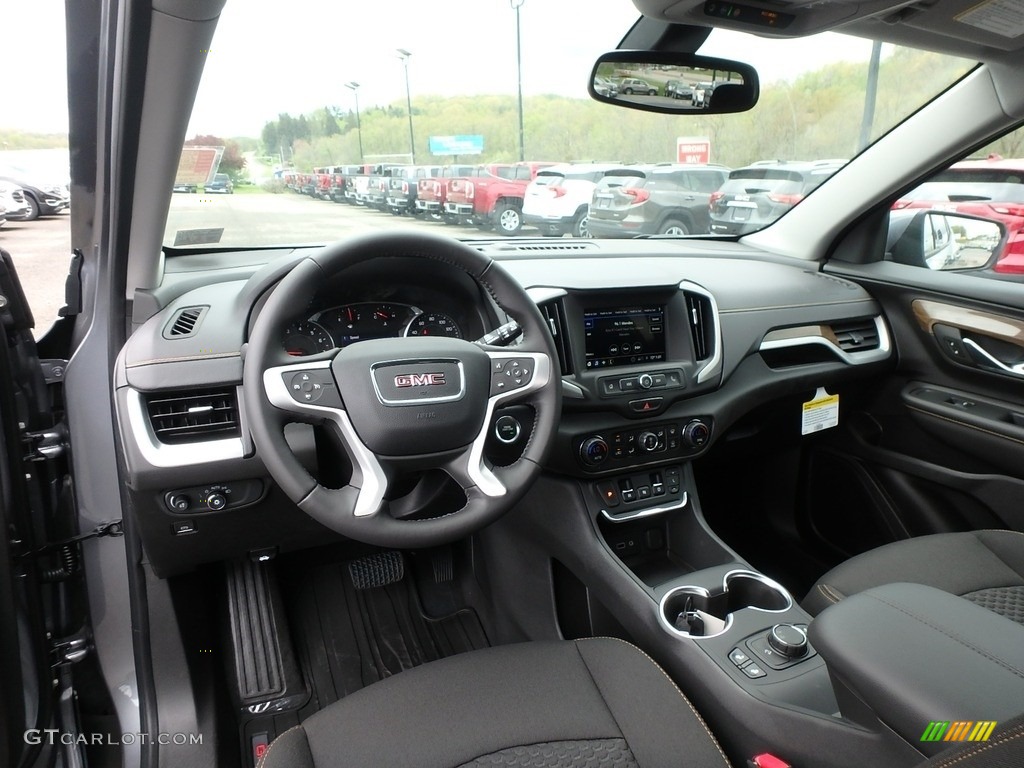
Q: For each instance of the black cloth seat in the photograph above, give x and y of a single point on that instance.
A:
(599, 702)
(985, 567)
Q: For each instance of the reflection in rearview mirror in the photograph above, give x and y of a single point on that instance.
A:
(676, 83)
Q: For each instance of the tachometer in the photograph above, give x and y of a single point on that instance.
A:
(306, 338)
(434, 324)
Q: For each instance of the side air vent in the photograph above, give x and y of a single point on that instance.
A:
(193, 416)
(185, 323)
(856, 335)
(700, 318)
(554, 315)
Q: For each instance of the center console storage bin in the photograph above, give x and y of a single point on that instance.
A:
(905, 655)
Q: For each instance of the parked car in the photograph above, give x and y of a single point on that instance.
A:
(605, 86)
(665, 199)
(764, 191)
(992, 188)
(631, 85)
(403, 187)
(679, 89)
(220, 185)
(557, 201)
(432, 193)
(492, 197)
(45, 197)
(13, 202)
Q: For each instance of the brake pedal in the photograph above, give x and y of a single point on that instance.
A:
(377, 570)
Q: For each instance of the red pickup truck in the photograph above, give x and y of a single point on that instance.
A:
(493, 197)
(432, 193)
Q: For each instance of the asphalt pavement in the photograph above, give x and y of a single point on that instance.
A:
(42, 248)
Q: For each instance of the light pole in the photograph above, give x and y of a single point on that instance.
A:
(404, 56)
(354, 87)
(516, 5)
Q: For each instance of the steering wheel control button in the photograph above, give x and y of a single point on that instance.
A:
(510, 374)
(507, 429)
(788, 640)
(309, 386)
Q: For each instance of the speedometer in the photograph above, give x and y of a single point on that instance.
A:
(434, 324)
(306, 338)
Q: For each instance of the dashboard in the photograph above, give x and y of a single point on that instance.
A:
(662, 347)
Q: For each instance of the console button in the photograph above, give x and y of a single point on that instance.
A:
(738, 657)
(753, 671)
(609, 494)
(629, 385)
(648, 404)
(788, 640)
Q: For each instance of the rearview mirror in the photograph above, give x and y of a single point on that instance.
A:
(674, 83)
(943, 240)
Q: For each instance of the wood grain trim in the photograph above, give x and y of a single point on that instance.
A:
(928, 313)
(782, 334)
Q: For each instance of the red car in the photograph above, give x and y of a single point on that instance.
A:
(992, 188)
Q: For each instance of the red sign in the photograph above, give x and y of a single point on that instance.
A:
(693, 150)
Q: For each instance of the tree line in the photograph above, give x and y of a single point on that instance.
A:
(815, 116)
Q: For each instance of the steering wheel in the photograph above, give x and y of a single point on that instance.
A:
(416, 403)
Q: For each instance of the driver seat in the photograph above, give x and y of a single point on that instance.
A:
(548, 704)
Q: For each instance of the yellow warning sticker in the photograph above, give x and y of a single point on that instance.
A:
(822, 412)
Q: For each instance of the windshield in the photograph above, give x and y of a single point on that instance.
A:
(292, 149)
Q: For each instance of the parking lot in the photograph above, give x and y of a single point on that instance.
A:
(42, 248)
(42, 253)
(254, 218)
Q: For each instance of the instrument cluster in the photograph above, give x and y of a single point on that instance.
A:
(338, 327)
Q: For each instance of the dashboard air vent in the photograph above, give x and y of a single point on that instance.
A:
(193, 416)
(554, 314)
(185, 323)
(856, 335)
(700, 318)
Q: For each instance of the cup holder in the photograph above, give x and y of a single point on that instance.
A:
(692, 611)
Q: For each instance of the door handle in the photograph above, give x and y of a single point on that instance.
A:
(1014, 369)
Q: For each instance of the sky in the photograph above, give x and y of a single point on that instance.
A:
(298, 56)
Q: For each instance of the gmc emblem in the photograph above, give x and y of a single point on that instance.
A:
(419, 380)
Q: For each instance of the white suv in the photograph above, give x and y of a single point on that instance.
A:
(12, 202)
(558, 200)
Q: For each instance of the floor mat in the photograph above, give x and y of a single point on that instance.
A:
(349, 638)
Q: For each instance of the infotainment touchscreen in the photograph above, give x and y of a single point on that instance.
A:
(624, 336)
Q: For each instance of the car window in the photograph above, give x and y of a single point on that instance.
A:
(980, 200)
(811, 107)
